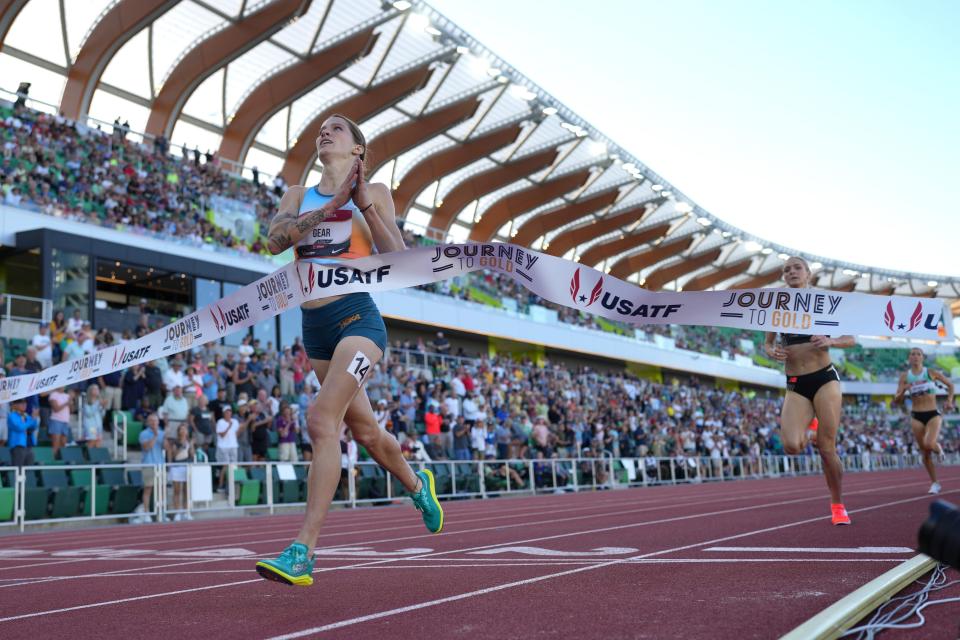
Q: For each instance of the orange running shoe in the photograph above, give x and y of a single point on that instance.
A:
(839, 514)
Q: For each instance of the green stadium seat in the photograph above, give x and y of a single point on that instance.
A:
(134, 428)
(43, 455)
(72, 455)
(396, 486)
(135, 477)
(285, 491)
(80, 477)
(442, 478)
(372, 482)
(248, 490)
(5, 460)
(66, 502)
(30, 478)
(16, 346)
(126, 497)
(112, 476)
(99, 455)
(36, 503)
(54, 478)
(468, 481)
(620, 472)
(273, 454)
(7, 503)
(103, 500)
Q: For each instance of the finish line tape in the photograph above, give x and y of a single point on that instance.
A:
(803, 311)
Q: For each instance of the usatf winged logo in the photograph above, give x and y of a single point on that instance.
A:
(306, 284)
(890, 318)
(221, 322)
(579, 298)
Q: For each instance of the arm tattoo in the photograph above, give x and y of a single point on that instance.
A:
(310, 220)
(279, 233)
(288, 228)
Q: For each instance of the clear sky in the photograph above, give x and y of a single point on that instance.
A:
(829, 126)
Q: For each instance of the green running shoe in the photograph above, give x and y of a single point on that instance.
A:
(291, 567)
(426, 502)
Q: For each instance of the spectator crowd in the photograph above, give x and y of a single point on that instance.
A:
(236, 404)
(232, 404)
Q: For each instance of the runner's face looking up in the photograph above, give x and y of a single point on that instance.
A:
(339, 140)
(796, 273)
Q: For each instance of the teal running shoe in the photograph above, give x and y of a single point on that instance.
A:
(291, 567)
(426, 502)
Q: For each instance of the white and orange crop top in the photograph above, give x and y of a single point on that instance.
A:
(344, 237)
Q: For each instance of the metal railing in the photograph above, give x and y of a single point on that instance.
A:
(6, 473)
(26, 309)
(41, 507)
(119, 433)
(279, 486)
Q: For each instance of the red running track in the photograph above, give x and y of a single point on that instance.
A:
(668, 562)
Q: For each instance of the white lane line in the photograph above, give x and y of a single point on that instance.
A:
(814, 549)
(673, 504)
(133, 599)
(480, 563)
(518, 583)
(643, 561)
(509, 585)
(539, 551)
(540, 509)
(28, 582)
(362, 518)
(357, 530)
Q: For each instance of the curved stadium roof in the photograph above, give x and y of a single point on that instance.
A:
(472, 148)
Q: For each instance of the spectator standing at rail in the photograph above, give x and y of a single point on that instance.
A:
(43, 343)
(59, 425)
(22, 432)
(152, 445)
(227, 444)
(174, 410)
(91, 417)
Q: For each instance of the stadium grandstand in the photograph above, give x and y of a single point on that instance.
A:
(146, 145)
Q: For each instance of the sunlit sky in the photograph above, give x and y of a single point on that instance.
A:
(830, 127)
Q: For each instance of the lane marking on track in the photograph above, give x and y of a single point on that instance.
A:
(123, 531)
(518, 583)
(372, 515)
(365, 518)
(551, 521)
(135, 598)
(356, 530)
(673, 505)
(484, 563)
(28, 581)
(814, 549)
(538, 551)
(502, 586)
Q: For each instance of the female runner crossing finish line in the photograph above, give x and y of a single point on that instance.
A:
(344, 336)
(813, 392)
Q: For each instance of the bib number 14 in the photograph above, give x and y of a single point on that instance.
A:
(359, 367)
